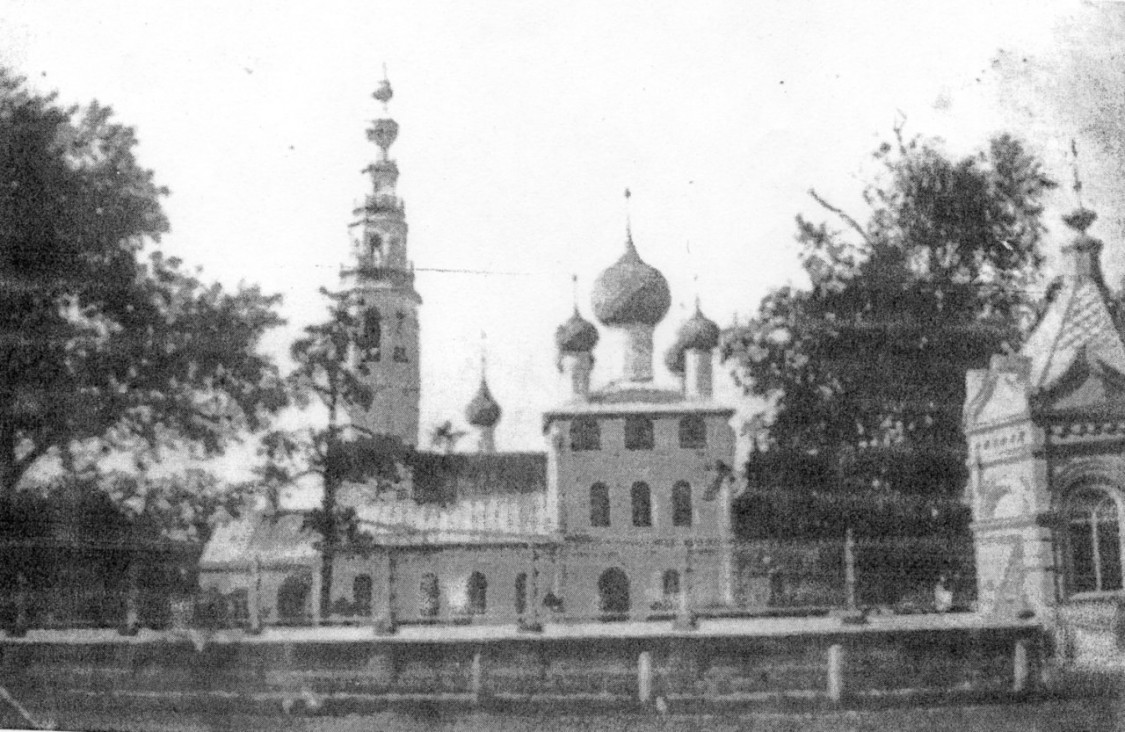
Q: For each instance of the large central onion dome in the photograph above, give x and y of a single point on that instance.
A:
(576, 335)
(483, 410)
(631, 292)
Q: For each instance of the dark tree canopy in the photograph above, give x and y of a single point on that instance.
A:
(865, 370)
(101, 336)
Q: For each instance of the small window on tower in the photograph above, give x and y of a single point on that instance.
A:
(400, 318)
(371, 340)
(399, 354)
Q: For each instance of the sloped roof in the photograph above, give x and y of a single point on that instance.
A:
(482, 520)
(275, 539)
(442, 478)
(1077, 320)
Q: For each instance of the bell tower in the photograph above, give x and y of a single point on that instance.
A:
(381, 278)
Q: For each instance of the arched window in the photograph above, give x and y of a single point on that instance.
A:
(585, 434)
(375, 248)
(478, 594)
(429, 600)
(638, 433)
(671, 584)
(681, 504)
(361, 594)
(642, 504)
(372, 337)
(693, 432)
(613, 592)
(521, 593)
(1094, 542)
(599, 505)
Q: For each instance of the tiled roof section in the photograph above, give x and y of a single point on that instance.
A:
(1078, 317)
(276, 539)
(481, 520)
(448, 478)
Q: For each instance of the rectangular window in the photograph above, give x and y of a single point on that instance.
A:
(693, 432)
(638, 433)
(585, 434)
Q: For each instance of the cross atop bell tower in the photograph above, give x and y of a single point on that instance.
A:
(382, 278)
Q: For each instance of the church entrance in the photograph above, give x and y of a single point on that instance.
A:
(613, 594)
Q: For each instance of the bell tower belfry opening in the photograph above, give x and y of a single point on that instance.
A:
(386, 303)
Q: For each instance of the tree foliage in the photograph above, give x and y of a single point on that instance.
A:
(339, 453)
(865, 369)
(101, 336)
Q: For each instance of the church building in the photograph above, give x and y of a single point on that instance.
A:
(626, 513)
(1046, 438)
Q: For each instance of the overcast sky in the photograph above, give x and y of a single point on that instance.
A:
(521, 125)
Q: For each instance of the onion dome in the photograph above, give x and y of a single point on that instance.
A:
(576, 335)
(384, 92)
(674, 359)
(631, 292)
(383, 133)
(699, 333)
(483, 410)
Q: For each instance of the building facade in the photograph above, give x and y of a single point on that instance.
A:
(625, 515)
(1046, 438)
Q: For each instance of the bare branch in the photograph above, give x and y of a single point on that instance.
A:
(843, 215)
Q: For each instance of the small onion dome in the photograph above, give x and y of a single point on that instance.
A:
(674, 359)
(483, 411)
(384, 92)
(383, 132)
(576, 335)
(631, 292)
(699, 333)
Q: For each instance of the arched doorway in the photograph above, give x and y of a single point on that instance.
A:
(613, 594)
(292, 599)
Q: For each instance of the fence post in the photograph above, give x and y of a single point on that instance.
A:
(644, 677)
(130, 624)
(386, 624)
(475, 677)
(684, 619)
(19, 627)
(1021, 667)
(255, 601)
(849, 568)
(836, 660)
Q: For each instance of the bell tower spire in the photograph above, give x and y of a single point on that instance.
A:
(381, 276)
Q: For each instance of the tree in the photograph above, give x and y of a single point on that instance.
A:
(865, 370)
(444, 437)
(102, 338)
(338, 453)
